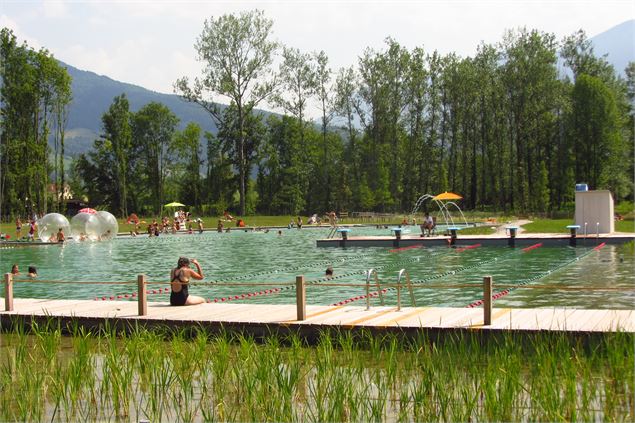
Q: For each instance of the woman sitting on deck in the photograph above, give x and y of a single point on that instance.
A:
(179, 281)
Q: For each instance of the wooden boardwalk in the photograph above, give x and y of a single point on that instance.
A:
(522, 240)
(263, 318)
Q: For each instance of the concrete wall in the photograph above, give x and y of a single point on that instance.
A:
(593, 207)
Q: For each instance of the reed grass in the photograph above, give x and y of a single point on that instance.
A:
(188, 376)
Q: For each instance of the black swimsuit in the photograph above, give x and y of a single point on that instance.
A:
(178, 298)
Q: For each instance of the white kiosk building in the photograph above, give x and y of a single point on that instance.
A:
(594, 209)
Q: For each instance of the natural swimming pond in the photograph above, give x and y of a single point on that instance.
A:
(602, 279)
(198, 376)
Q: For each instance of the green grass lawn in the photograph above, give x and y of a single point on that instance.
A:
(537, 226)
(478, 230)
(560, 226)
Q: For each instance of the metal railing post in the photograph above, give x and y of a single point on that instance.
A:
(412, 294)
(142, 296)
(408, 285)
(381, 294)
(8, 292)
(370, 272)
(300, 292)
(487, 300)
(398, 295)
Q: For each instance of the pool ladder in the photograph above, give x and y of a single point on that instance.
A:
(332, 232)
(372, 273)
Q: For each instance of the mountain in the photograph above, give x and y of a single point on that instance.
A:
(618, 43)
(92, 96)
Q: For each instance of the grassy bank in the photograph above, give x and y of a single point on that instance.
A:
(490, 221)
(174, 376)
(560, 226)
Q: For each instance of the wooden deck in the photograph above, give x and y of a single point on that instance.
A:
(264, 318)
(521, 240)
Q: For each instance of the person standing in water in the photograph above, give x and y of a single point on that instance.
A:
(60, 236)
(31, 236)
(32, 272)
(179, 280)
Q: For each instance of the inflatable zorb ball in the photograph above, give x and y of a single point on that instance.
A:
(86, 227)
(109, 225)
(50, 224)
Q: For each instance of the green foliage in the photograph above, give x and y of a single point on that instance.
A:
(237, 54)
(548, 226)
(502, 128)
(625, 225)
(153, 129)
(625, 208)
(340, 376)
(595, 131)
(34, 98)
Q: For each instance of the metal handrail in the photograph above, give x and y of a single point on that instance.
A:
(408, 285)
(332, 232)
(370, 273)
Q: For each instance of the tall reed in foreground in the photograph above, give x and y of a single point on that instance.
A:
(194, 375)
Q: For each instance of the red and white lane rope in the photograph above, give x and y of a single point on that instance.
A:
(535, 278)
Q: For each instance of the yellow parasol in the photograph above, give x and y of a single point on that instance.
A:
(447, 196)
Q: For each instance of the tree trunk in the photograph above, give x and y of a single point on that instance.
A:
(241, 158)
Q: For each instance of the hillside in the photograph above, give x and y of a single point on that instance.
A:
(93, 94)
(618, 43)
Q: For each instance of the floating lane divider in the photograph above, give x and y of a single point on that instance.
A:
(600, 246)
(469, 247)
(537, 277)
(532, 247)
(249, 295)
(132, 295)
(411, 247)
(288, 269)
(433, 277)
(277, 290)
(122, 296)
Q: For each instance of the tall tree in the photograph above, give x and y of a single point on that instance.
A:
(297, 84)
(187, 144)
(325, 98)
(238, 55)
(31, 83)
(118, 133)
(595, 131)
(153, 128)
(61, 110)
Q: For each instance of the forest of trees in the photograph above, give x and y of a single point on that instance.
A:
(511, 129)
(35, 93)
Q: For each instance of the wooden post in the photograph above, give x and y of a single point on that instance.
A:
(8, 292)
(487, 300)
(300, 295)
(142, 296)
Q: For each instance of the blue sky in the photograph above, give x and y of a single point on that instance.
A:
(150, 43)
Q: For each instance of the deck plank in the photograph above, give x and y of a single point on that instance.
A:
(385, 317)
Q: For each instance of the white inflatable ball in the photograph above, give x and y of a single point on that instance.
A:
(50, 224)
(109, 225)
(86, 227)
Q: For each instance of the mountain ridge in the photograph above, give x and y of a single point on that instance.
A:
(93, 93)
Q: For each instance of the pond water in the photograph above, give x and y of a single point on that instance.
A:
(250, 257)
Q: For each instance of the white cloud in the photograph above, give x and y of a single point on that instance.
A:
(150, 43)
(7, 22)
(54, 9)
